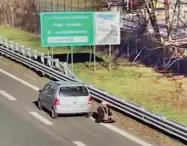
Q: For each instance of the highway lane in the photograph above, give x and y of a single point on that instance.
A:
(73, 128)
(17, 130)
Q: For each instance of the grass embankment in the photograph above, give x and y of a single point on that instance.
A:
(33, 41)
(138, 84)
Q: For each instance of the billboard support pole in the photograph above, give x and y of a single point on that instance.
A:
(94, 58)
(72, 58)
(48, 51)
(90, 57)
(110, 57)
(67, 59)
(128, 53)
(52, 56)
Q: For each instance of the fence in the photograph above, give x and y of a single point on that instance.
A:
(24, 13)
(70, 6)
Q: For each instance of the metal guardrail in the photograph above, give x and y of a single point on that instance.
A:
(44, 64)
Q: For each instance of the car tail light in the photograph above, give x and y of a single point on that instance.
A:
(90, 100)
(56, 101)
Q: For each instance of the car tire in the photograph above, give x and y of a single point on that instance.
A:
(54, 115)
(89, 115)
(39, 104)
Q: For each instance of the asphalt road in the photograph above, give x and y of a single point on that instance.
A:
(18, 130)
(19, 127)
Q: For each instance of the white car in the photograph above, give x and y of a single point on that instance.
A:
(64, 97)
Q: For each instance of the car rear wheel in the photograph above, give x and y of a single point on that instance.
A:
(39, 104)
(54, 115)
(89, 115)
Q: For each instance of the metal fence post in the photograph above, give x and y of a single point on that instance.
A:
(57, 6)
(51, 5)
(78, 5)
(71, 5)
(45, 5)
(39, 6)
(85, 4)
(64, 5)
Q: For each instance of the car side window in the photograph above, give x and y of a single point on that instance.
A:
(47, 88)
(51, 90)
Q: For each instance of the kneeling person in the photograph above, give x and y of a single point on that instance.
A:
(104, 113)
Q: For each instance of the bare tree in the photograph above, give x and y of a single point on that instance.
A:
(167, 18)
(151, 12)
(19, 14)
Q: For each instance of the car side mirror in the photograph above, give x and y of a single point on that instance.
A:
(40, 90)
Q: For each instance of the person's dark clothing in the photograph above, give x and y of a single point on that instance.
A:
(101, 112)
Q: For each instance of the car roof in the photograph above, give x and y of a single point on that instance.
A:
(67, 83)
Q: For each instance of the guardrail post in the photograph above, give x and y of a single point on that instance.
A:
(142, 115)
(42, 58)
(49, 61)
(35, 54)
(17, 47)
(22, 51)
(6, 43)
(2, 43)
(29, 52)
(1, 40)
(52, 61)
(164, 118)
(11, 45)
(64, 65)
(57, 63)
(68, 72)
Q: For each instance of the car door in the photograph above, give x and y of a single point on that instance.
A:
(44, 95)
(50, 96)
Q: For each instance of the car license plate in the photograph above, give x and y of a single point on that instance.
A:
(74, 106)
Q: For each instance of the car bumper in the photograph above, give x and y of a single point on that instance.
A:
(72, 110)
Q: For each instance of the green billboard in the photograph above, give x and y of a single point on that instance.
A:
(79, 28)
(66, 29)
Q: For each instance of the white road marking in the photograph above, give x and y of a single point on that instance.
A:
(41, 118)
(19, 80)
(125, 134)
(5, 94)
(109, 126)
(79, 143)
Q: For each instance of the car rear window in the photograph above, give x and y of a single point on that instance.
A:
(73, 91)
